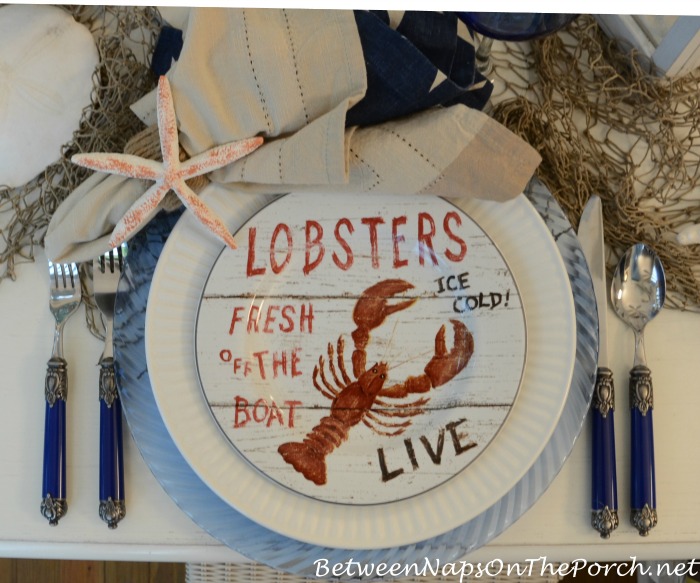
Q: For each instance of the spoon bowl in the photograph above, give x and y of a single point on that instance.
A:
(638, 293)
(638, 290)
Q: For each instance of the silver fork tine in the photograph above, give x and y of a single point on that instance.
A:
(64, 299)
(106, 271)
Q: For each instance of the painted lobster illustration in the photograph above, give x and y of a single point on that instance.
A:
(354, 401)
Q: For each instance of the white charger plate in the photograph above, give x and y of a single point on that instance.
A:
(292, 556)
(527, 246)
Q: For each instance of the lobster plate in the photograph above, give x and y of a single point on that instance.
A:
(360, 354)
(356, 361)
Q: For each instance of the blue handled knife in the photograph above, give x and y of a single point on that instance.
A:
(604, 487)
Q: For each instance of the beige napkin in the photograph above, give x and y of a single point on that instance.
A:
(290, 76)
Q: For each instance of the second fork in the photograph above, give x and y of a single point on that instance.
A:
(106, 271)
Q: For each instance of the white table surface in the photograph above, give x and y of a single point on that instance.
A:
(155, 529)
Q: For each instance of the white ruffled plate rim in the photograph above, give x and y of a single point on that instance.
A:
(525, 242)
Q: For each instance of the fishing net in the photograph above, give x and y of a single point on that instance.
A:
(125, 38)
(606, 124)
(603, 122)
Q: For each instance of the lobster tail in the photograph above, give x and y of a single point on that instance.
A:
(305, 461)
(309, 456)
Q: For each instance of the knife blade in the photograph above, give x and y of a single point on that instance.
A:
(604, 516)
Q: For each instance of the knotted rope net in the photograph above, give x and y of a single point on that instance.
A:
(603, 122)
(606, 124)
(125, 37)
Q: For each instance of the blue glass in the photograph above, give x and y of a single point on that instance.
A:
(515, 26)
(111, 455)
(54, 479)
(643, 479)
(604, 491)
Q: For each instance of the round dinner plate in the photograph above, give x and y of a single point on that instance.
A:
(260, 544)
(286, 320)
(185, 264)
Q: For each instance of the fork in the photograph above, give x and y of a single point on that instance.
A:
(105, 272)
(64, 299)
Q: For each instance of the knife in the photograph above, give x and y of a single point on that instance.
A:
(604, 486)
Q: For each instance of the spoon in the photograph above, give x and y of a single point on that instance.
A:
(638, 292)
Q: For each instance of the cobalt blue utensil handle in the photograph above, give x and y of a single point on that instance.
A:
(53, 503)
(604, 516)
(112, 506)
(643, 480)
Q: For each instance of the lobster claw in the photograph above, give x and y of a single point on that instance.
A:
(373, 307)
(445, 365)
(370, 311)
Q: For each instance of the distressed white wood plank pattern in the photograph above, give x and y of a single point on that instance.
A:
(276, 314)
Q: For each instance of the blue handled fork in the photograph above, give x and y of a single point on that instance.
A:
(64, 298)
(105, 272)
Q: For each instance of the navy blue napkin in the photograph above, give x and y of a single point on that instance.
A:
(421, 63)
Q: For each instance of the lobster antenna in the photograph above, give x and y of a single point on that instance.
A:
(409, 359)
(388, 345)
(391, 339)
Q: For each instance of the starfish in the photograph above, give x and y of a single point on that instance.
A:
(169, 174)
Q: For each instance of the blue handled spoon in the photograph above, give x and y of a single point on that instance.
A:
(638, 293)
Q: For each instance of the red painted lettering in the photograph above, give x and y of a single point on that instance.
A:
(261, 364)
(250, 270)
(311, 242)
(425, 238)
(397, 239)
(428, 231)
(270, 318)
(372, 223)
(292, 408)
(287, 313)
(349, 257)
(263, 412)
(253, 317)
(274, 264)
(241, 406)
(235, 318)
(275, 413)
(295, 362)
(257, 408)
(306, 319)
(279, 360)
(459, 256)
(241, 365)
